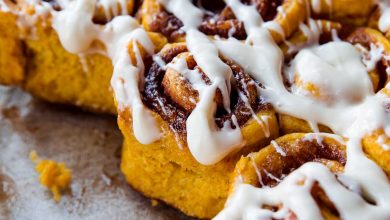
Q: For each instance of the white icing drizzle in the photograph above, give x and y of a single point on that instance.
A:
(381, 141)
(335, 36)
(297, 197)
(330, 77)
(274, 26)
(280, 10)
(206, 56)
(232, 30)
(77, 32)
(179, 64)
(384, 20)
(111, 8)
(159, 61)
(312, 32)
(126, 81)
(262, 121)
(207, 143)
(84, 62)
(278, 148)
(319, 137)
(257, 172)
(26, 23)
(271, 176)
(317, 5)
(4, 7)
(372, 56)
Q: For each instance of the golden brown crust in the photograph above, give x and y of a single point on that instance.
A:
(166, 170)
(12, 61)
(375, 151)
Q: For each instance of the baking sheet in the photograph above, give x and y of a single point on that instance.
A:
(89, 144)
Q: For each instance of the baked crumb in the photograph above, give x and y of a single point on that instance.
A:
(53, 175)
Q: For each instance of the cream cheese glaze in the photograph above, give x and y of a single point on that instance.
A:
(354, 112)
(333, 72)
(384, 20)
(4, 7)
(111, 8)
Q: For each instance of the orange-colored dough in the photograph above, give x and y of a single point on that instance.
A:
(164, 171)
(53, 175)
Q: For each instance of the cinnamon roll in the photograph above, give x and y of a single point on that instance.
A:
(171, 92)
(193, 95)
(285, 166)
(54, 49)
(282, 18)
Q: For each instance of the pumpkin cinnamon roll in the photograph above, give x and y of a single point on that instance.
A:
(170, 168)
(58, 51)
(279, 180)
(281, 17)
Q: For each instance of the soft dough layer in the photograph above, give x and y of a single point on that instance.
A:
(168, 172)
(11, 51)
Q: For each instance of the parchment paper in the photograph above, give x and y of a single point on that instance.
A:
(89, 144)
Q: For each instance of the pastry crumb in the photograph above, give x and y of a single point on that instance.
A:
(52, 174)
